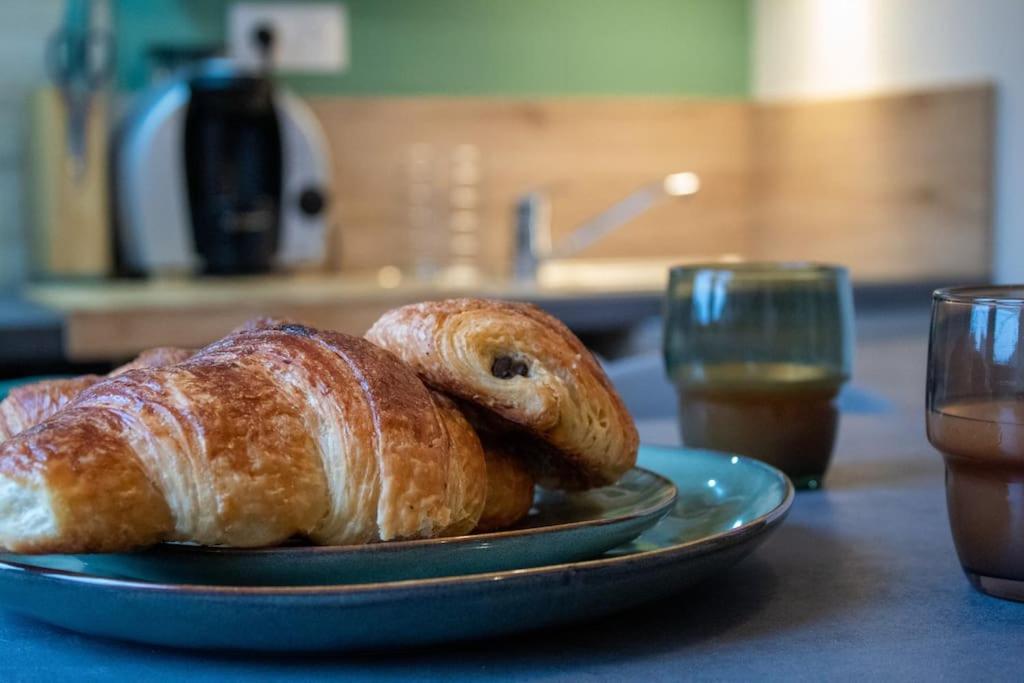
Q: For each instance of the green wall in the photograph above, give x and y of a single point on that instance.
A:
(494, 47)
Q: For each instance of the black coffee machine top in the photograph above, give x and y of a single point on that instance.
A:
(220, 171)
(233, 166)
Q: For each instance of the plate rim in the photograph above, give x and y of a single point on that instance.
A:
(650, 510)
(399, 589)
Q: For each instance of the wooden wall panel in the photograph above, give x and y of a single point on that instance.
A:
(588, 153)
(899, 186)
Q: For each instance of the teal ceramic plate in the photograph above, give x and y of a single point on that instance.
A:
(560, 528)
(726, 507)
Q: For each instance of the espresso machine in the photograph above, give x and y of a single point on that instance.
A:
(218, 170)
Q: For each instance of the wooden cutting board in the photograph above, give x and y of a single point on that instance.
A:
(68, 216)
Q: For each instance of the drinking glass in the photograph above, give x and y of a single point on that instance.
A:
(975, 418)
(443, 212)
(758, 353)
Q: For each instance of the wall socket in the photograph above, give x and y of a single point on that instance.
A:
(307, 36)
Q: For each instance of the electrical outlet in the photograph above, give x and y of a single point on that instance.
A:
(307, 36)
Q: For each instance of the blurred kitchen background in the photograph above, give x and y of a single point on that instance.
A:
(169, 168)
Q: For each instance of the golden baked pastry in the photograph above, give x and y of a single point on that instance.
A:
(258, 437)
(264, 322)
(469, 492)
(501, 487)
(510, 488)
(156, 358)
(29, 404)
(522, 373)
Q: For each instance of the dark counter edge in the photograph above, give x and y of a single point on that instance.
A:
(29, 333)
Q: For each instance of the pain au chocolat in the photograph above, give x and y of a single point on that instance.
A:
(521, 374)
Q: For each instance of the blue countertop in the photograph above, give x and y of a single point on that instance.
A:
(860, 582)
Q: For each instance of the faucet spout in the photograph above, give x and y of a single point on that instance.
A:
(533, 221)
(533, 233)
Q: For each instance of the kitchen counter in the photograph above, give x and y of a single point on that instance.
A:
(113, 320)
(860, 582)
(117, 319)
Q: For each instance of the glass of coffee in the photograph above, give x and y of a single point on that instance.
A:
(975, 417)
(758, 353)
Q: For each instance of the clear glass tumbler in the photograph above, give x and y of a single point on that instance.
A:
(975, 417)
(758, 353)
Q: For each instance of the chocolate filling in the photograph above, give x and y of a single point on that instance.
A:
(505, 367)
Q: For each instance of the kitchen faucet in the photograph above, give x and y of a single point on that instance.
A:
(533, 221)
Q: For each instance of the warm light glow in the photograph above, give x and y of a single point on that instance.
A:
(681, 184)
(389, 277)
(843, 35)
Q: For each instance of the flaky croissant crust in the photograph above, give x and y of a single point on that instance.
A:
(259, 437)
(29, 404)
(509, 489)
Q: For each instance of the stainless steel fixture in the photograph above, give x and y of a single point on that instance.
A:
(533, 221)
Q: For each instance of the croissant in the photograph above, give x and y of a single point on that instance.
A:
(259, 437)
(471, 492)
(156, 358)
(510, 487)
(30, 404)
(519, 372)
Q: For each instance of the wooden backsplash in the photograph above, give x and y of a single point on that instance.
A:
(897, 187)
(900, 187)
(585, 153)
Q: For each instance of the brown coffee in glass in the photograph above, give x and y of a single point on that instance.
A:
(758, 353)
(975, 417)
